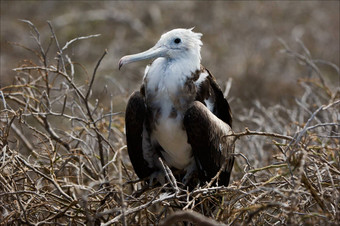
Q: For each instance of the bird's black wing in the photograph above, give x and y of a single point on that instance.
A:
(134, 119)
(209, 89)
(210, 148)
(207, 132)
(221, 109)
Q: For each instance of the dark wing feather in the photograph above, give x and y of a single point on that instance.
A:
(210, 149)
(134, 120)
(222, 108)
(209, 89)
(206, 132)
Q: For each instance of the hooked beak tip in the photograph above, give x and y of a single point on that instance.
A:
(120, 64)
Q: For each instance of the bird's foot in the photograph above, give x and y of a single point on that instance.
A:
(157, 176)
(190, 171)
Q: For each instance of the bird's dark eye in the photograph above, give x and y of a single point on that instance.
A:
(177, 40)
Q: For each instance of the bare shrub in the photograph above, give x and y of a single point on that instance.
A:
(64, 161)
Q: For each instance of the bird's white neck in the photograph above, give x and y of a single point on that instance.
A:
(184, 62)
(177, 67)
(168, 75)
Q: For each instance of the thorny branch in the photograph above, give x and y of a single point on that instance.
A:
(247, 132)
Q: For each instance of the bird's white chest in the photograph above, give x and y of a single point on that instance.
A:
(169, 133)
(164, 95)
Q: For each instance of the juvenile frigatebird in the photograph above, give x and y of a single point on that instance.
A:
(179, 114)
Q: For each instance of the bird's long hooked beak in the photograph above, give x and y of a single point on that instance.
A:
(154, 52)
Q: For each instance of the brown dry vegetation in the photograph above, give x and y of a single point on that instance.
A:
(63, 156)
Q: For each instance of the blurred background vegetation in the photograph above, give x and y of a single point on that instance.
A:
(240, 41)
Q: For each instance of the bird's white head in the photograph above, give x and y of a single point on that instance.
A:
(178, 45)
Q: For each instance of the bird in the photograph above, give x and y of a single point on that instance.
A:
(180, 115)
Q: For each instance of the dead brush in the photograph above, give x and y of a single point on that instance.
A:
(64, 161)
